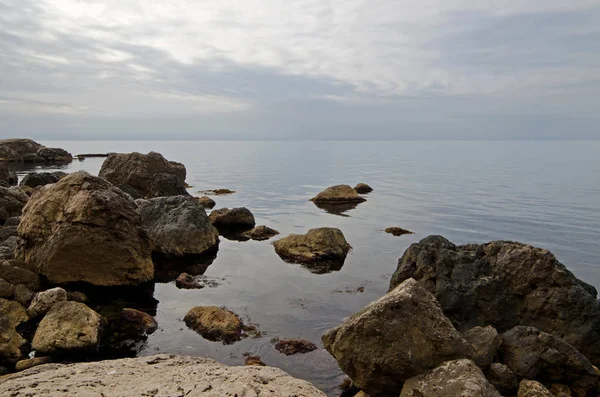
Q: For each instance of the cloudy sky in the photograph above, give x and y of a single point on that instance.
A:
(302, 69)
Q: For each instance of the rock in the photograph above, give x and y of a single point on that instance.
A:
(7, 232)
(8, 176)
(23, 295)
(363, 188)
(485, 342)
(10, 341)
(503, 379)
(43, 301)
(533, 354)
(77, 296)
(226, 219)
(559, 390)
(12, 201)
(458, 378)
(320, 250)
(178, 225)
(145, 175)
(138, 322)
(338, 194)
(6, 289)
(17, 275)
(13, 221)
(215, 323)
(400, 335)
(206, 202)
(14, 311)
(260, 233)
(9, 247)
(36, 179)
(290, 347)
(54, 155)
(397, 231)
(254, 360)
(505, 284)
(531, 388)
(162, 375)
(187, 281)
(32, 362)
(68, 326)
(217, 192)
(83, 229)
(18, 149)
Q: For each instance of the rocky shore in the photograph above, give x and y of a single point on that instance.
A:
(79, 256)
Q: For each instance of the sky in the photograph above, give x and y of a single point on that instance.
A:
(302, 69)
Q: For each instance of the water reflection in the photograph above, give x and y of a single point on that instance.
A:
(339, 209)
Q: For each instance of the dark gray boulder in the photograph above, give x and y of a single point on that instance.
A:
(503, 379)
(12, 201)
(36, 179)
(505, 284)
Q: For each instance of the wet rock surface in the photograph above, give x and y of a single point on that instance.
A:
(290, 347)
(215, 323)
(206, 202)
(217, 192)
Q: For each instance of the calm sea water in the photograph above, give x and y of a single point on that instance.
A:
(542, 193)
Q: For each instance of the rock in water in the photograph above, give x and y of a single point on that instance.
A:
(36, 179)
(28, 151)
(68, 326)
(531, 388)
(162, 375)
(458, 378)
(290, 347)
(505, 284)
(145, 175)
(206, 202)
(83, 229)
(320, 250)
(260, 233)
(338, 194)
(178, 225)
(54, 155)
(12, 201)
(226, 219)
(137, 322)
(397, 231)
(215, 323)
(363, 188)
(398, 336)
(43, 301)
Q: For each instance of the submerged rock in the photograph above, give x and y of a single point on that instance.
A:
(145, 175)
(400, 335)
(187, 281)
(363, 188)
(338, 194)
(83, 229)
(43, 301)
(137, 322)
(531, 388)
(290, 347)
(260, 233)
(397, 231)
(36, 179)
(206, 202)
(320, 250)
(162, 375)
(458, 378)
(235, 219)
(215, 323)
(178, 226)
(505, 284)
(12, 201)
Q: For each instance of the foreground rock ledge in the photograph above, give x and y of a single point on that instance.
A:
(162, 375)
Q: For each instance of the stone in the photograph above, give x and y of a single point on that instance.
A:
(6, 289)
(43, 301)
(254, 360)
(218, 192)
(162, 375)
(215, 323)
(178, 225)
(531, 388)
(7, 232)
(290, 347)
(83, 229)
(8, 176)
(560, 390)
(36, 179)
(338, 194)
(77, 296)
(138, 322)
(17, 275)
(485, 342)
(533, 354)
(363, 188)
(503, 379)
(54, 155)
(206, 202)
(397, 231)
(10, 341)
(260, 233)
(457, 378)
(8, 247)
(18, 149)
(226, 219)
(187, 281)
(505, 284)
(320, 250)
(12, 201)
(23, 295)
(394, 338)
(13, 221)
(14, 311)
(67, 327)
(32, 362)
(145, 175)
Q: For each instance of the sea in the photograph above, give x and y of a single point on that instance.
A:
(544, 193)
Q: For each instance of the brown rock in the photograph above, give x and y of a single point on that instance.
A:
(10, 340)
(338, 194)
(6, 289)
(254, 360)
(206, 202)
(290, 347)
(32, 362)
(363, 188)
(226, 219)
(397, 231)
(139, 322)
(17, 275)
(260, 233)
(485, 342)
(531, 388)
(218, 192)
(23, 295)
(15, 312)
(43, 301)
(215, 323)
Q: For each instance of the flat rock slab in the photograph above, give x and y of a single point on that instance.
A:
(159, 376)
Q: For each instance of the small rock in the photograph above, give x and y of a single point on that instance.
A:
(531, 388)
(363, 188)
(6, 289)
(206, 202)
(397, 231)
(43, 301)
(254, 360)
(12, 201)
(187, 281)
(260, 233)
(503, 378)
(77, 296)
(560, 390)
(23, 295)
(290, 347)
(226, 219)
(138, 322)
(485, 342)
(217, 192)
(17, 275)
(215, 323)
(338, 194)
(32, 362)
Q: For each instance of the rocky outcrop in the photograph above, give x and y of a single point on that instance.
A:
(12, 201)
(531, 388)
(338, 194)
(400, 335)
(8, 177)
(320, 250)
(178, 225)
(230, 220)
(290, 347)
(68, 326)
(503, 379)
(363, 188)
(43, 301)
(458, 378)
(215, 323)
(485, 342)
(83, 229)
(28, 151)
(163, 375)
(260, 233)
(54, 155)
(505, 284)
(145, 175)
(532, 354)
(36, 179)
(206, 202)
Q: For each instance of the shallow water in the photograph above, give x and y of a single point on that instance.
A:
(542, 193)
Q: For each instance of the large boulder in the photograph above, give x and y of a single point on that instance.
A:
(338, 194)
(83, 229)
(505, 284)
(320, 250)
(68, 326)
(26, 150)
(12, 201)
(400, 335)
(178, 225)
(457, 378)
(36, 179)
(215, 323)
(162, 375)
(533, 354)
(145, 175)
(227, 220)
